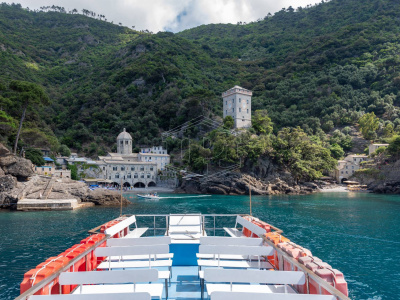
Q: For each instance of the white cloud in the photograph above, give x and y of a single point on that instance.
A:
(174, 15)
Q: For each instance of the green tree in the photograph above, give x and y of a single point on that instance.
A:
(228, 122)
(64, 150)
(35, 156)
(261, 122)
(388, 131)
(394, 146)
(369, 123)
(336, 151)
(305, 159)
(28, 94)
(74, 171)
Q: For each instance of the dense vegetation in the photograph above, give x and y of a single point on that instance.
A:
(316, 68)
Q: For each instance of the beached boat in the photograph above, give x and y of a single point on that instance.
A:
(148, 196)
(188, 256)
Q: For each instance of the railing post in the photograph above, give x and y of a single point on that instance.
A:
(214, 225)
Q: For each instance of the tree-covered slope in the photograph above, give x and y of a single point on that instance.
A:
(318, 67)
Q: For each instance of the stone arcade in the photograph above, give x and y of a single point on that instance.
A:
(126, 167)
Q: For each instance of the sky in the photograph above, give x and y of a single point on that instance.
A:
(173, 15)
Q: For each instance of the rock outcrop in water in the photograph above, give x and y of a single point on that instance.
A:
(17, 181)
(264, 178)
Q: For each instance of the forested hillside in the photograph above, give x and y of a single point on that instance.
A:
(317, 68)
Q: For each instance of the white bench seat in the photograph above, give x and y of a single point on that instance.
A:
(135, 233)
(110, 296)
(134, 264)
(254, 288)
(225, 256)
(233, 232)
(234, 264)
(140, 257)
(155, 289)
(261, 296)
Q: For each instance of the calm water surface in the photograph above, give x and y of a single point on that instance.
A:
(359, 234)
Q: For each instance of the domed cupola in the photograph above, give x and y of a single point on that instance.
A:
(124, 143)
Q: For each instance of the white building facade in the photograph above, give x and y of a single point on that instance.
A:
(155, 154)
(347, 167)
(237, 104)
(130, 169)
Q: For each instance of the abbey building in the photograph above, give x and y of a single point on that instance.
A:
(132, 169)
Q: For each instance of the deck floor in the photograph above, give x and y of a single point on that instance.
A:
(185, 283)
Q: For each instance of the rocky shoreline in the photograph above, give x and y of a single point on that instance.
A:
(234, 183)
(18, 181)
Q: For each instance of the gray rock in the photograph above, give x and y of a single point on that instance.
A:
(7, 183)
(106, 198)
(22, 168)
(7, 160)
(4, 150)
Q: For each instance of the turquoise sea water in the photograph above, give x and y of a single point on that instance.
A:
(359, 234)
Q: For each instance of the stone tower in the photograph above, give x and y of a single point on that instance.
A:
(237, 104)
(124, 143)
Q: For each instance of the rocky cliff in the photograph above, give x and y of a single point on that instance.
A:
(17, 181)
(263, 177)
(383, 179)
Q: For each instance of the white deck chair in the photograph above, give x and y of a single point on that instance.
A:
(271, 281)
(147, 250)
(95, 282)
(142, 241)
(234, 232)
(262, 296)
(110, 296)
(137, 232)
(246, 251)
(228, 241)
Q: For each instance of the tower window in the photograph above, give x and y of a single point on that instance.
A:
(226, 102)
(126, 142)
(247, 101)
(240, 110)
(233, 100)
(233, 109)
(122, 142)
(247, 110)
(240, 100)
(226, 111)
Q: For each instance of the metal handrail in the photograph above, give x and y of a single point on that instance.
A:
(49, 279)
(326, 286)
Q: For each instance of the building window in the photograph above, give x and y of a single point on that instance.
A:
(126, 142)
(347, 173)
(104, 168)
(50, 169)
(116, 175)
(142, 175)
(226, 111)
(341, 172)
(352, 167)
(114, 168)
(226, 102)
(135, 176)
(129, 176)
(148, 175)
(247, 101)
(132, 168)
(122, 142)
(346, 168)
(247, 110)
(43, 169)
(240, 110)
(151, 168)
(233, 100)
(233, 109)
(122, 168)
(141, 168)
